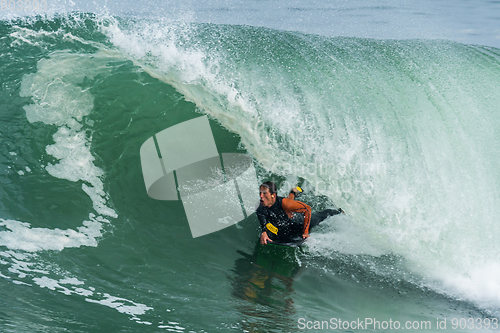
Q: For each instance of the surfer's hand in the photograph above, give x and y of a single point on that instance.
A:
(264, 238)
(304, 236)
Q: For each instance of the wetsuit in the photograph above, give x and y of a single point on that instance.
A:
(282, 223)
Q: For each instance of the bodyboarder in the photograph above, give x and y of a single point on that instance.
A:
(286, 220)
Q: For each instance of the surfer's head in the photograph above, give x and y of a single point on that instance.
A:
(267, 194)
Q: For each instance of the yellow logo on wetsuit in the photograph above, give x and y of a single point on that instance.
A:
(272, 228)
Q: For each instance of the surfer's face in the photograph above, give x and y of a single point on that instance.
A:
(266, 199)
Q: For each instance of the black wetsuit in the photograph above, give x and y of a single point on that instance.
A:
(283, 228)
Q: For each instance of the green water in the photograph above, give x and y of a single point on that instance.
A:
(84, 249)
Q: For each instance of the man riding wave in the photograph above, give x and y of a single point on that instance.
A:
(285, 219)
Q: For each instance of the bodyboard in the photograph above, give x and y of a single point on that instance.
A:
(294, 243)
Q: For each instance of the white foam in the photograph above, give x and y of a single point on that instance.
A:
(481, 285)
(172, 327)
(58, 100)
(341, 234)
(52, 284)
(21, 283)
(29, 267)
(21, 236)
(122, 305)
(23, 35)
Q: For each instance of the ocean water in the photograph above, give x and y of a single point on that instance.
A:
(388, 109)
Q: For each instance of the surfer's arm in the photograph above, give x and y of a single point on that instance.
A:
(293, 206)
(264, 238)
